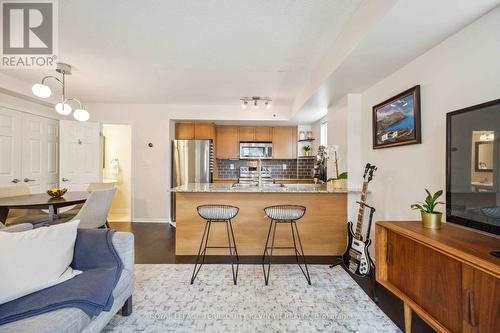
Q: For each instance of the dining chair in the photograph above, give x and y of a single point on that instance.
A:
(94, 212)
(20, 216)
(71, 213)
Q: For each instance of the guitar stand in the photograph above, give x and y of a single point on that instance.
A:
(371, 275)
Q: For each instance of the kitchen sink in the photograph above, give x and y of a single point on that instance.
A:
(241, 185)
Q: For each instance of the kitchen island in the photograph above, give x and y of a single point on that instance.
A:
(322, 229)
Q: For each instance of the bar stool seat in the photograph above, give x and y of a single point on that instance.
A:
(217, 212)
(284, 214)
(211, 214)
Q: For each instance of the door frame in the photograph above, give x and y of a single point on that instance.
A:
(132, 168)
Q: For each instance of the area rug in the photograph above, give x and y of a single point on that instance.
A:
(164, 301)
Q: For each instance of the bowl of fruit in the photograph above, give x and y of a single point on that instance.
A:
(57, 192)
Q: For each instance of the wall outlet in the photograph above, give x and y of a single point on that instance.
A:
(231, 166)
(284, 166)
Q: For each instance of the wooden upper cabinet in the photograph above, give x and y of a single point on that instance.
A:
(284, 142)
(227, 142)
(184, 131)
(480, 301)
(191, 131)
(263, 134)
(247, 133)
(204, 131)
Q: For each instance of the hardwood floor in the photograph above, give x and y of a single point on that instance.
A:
(155, 244)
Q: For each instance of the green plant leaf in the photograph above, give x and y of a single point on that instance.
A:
(343, 175)
(437, 195)
(417, 206)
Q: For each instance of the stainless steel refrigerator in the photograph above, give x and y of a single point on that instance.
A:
(192, 162)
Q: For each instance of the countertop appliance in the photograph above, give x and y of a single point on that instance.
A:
(250, 175)
(256, 150)
(192, 162)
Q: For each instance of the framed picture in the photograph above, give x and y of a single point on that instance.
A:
(396, 121)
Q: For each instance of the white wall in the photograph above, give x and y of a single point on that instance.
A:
(463, 70)
(151, 123)
(337, 135)
(21, 103)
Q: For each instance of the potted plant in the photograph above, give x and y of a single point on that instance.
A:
(430, 217)
(339, 182)
(307, 150)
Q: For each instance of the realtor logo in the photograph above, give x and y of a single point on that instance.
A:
(29, 36)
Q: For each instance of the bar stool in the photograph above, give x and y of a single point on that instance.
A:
(284, 214)
(217, 213)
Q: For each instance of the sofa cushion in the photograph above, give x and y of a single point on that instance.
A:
(66, 320)
(35, 259)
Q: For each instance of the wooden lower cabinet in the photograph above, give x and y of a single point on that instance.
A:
(481, 301)
(430, 278)
(447, 276)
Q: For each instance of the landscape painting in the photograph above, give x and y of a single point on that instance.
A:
(396, 121)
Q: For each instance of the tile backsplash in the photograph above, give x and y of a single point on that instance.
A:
(301, 168)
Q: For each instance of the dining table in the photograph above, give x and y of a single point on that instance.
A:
(41, 201)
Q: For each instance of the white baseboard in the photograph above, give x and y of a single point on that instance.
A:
(150, 220)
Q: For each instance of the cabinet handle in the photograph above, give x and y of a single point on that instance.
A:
(389, 254)
(15, 181)
(28, 180)
(469, 309)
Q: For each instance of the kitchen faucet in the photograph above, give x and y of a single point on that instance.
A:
(259, 168)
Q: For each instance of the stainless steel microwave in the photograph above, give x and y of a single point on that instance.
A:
(256, 150)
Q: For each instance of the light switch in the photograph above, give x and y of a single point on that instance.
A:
(231, 166)
(284, 166)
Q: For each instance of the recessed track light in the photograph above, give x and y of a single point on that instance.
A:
(255, 100)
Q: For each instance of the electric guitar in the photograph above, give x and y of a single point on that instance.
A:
(357, 258)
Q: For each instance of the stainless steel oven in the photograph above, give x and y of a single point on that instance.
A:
(256, 150)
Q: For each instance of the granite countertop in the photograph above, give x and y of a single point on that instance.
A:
(293, 188)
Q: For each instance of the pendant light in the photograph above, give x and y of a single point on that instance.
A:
(63, 108)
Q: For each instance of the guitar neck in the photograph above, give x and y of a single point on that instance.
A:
(361, 211)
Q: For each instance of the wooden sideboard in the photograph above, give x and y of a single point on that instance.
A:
(448, 277)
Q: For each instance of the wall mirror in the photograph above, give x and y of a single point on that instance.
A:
(484, 156)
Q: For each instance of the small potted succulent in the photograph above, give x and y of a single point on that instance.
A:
(307, 150)
(430, 217)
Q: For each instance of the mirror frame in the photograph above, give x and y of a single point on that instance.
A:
(476, 159)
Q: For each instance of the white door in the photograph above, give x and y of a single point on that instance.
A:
(33, 132)
(51, 150)
(79, 162)
(40, 153)
(10, 147)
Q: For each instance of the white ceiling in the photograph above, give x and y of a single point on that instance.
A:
(191, 51)
(212, 52)
(408, 30)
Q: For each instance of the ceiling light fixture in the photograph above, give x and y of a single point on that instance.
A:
(255, 101)
(43, 91)
(80, 113)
